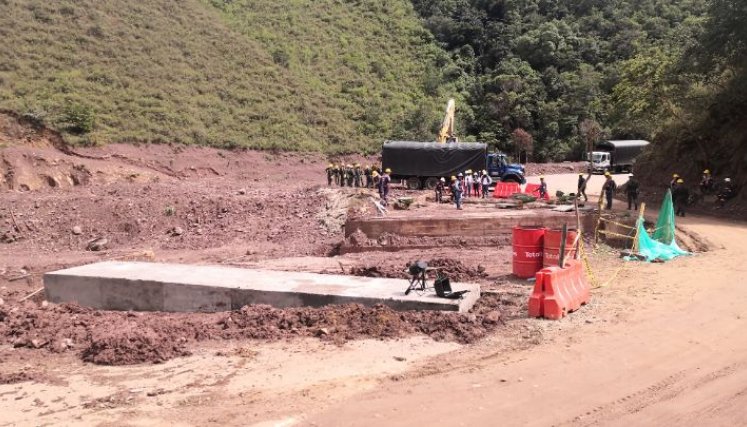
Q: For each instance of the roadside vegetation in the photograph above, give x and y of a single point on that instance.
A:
(303, 75)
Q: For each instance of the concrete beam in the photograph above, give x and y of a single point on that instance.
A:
(175, 287)
(466, 225)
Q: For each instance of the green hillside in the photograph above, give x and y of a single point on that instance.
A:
(302, 74)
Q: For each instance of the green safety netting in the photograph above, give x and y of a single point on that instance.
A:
(661, 245)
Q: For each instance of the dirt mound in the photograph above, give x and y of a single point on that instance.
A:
(120, 338)
(455, 269)
(129, 344)
(555, 168)
(16, 377)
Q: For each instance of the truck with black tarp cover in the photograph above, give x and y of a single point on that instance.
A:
(616, 156)
(422, 164)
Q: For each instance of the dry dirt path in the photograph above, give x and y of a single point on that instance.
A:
(668, 348)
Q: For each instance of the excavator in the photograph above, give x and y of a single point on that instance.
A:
(446, 133)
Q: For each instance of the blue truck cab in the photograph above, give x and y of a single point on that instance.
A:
(500, 169)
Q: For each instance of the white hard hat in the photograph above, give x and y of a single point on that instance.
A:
(460, 174)
(443, 179)
(631, 175)
(727, 179)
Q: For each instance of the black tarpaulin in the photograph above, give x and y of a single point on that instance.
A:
(407, 158)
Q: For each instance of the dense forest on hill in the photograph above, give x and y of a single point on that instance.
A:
(545, 66)
(691, 97)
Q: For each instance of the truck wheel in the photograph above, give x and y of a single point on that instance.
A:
(431, 183)
(413, 183)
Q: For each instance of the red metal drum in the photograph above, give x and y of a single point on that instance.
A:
(551, 256)
(527, 245)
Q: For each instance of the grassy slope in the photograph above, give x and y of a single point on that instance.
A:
(302, 74)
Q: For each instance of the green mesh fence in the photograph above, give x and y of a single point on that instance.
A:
(661, 245)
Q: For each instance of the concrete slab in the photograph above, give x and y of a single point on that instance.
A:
(145, 286)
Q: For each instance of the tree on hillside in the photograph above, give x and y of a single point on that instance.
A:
(523, 144)
(591, 133)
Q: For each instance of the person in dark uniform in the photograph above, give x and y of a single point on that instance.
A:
(330, 172)
(542, 188)
(367, 174)
(706, 182)
(726, 193)
(341, 173)
(384, 186)
(608, 189)
(350, 175)
(673, 182)
(632, 189)
(357, 175)
(581, 191)
(456, 191)
(680, 196)
(440, 190)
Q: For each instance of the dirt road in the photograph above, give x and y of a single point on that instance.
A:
(667, 348)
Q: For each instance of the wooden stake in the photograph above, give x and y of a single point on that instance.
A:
(563, 237)
(31, 295)
(15, 224)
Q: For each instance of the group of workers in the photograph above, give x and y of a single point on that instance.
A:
(681, 196)
(352, 175)
(473, 184)
(467, 184)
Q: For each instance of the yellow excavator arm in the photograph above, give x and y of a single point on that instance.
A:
(446, 133)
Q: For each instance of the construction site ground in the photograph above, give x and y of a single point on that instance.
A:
(661, 343)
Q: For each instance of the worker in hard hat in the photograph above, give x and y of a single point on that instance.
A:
(673, 182)
(384, 186)
(726, 193)
(341, 171)
(367, 174)
(330, 173)
(706, 182)
(632, 190)
(476, 184)
(680, 196)
(485, 181)
(440, 187)
(375, 178)
(357, 175)
(468, 181)
(542, 188)
(350, 175)
(456, 191)
(608, 189)
(581, 190)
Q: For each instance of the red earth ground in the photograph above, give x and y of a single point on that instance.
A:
(320, 366)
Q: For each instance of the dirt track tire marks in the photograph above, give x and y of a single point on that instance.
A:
(664, 390)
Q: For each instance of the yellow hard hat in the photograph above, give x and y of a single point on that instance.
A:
(374, 173)
(453, 178)
(675, 176)
(357, 165)
(388, 170)
(330, 165)
(706, 171)
(581, 174)
(542, 177)
(680, 181)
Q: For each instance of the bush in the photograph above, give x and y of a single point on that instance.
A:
(78, 119)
